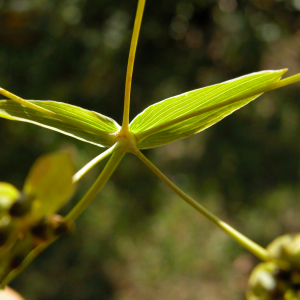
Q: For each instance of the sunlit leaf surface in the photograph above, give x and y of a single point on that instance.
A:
(197, 109)
(91, 127)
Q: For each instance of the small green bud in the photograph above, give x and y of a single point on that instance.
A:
(279, 279)
(286, 248)
(22, 206)
(262, 282)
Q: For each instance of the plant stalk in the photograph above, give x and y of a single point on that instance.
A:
(29, 258)
(96, 187)
(73, 215)
(133, 45)
(93, 162)
(240, 238)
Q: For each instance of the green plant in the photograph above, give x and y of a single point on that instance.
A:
(279, 278)
(162, 123)
(28, 219)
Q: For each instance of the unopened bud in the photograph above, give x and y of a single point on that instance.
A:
(58, 225)
(279, 279)
(40, 230)
(22, 205)
(53, 225)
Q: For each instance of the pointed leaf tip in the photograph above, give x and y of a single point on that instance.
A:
(189, 113)
(83, 124)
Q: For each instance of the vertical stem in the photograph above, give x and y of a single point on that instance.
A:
(240, 238)
(134, 40)
(96, 187)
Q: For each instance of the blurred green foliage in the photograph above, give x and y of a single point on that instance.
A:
(138, 240)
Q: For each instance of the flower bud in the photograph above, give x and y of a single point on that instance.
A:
(262, 282)
(286, 248)
(52, 226)
(40, 230)
(58, 225)
(22, 206)
(279, 279)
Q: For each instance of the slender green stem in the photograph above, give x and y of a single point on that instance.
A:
(240, 238)
(96, 187)
(134, 40)
(93, 162)
(255, 93)
(29, 258)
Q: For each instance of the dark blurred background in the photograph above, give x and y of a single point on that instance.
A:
(137, 240)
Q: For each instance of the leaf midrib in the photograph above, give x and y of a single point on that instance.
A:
(154, 129)
(191, 114)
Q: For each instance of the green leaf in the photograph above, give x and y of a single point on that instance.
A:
(180, 116)
(79, 123)
(50, 183)
(8, 195)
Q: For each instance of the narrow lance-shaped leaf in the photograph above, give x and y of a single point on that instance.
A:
(84, 125)
(180, 116)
